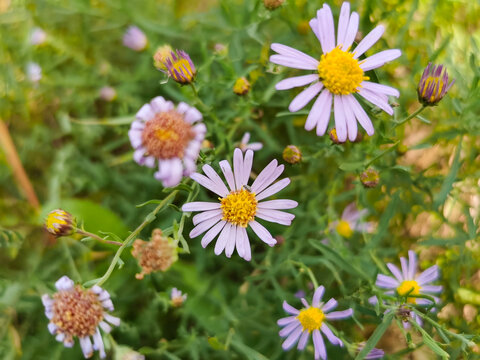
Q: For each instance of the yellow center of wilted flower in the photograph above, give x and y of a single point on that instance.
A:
(183, 67)
(311, 318)
(344, 228)
(167, 135)
(340, 73)
(239, 207)
(57, 217)
(437, 88)
(410, 287)
(77, 312)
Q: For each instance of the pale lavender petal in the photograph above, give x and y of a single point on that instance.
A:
(212, 233)
(350, 212)
(145, 113)
(432, 289)
(379, 59)
(273, 189)
(273, 176)
(255, 146)
(86, 345)
(387, 282)
(320, 106)
(238, 168)
(105, 327)
(227, 172)
(287, 330)
(329, 28)
(137, 125)
(376, 100)
(412, 264)
(278, 204)
(205, 215)
(231, 240)
(290, 309)
(349, 119)
(395, 271)
(264, 176)
(246, 138)
(135, 136)
(331, 336)
(193, 115)
(324, 118)
(158, 104)
(98, 344)
(204, 226)
(360, 114)
(330, 305)
(340, 123)
(295, 82)
(64, 283)
(240, 241)
(368, 41)
(351, 31)
(247, 166)
(320, 31)
(294, 53)
(339, 314)
(286, 320)
(175, 175)
(200, 206)
(379, 88)
(404, 265)
(222, 239)
(319, 345)
(305, 303)
(216, 180)
(429, 275)
(209, 184)
(52, 328)
(294, 63)
(343, 20)
(302, 342)
(275, 216)
(302, 99)
(317, 296)
(314, 26)
(292, 338)
(262, 233)
(246, 246)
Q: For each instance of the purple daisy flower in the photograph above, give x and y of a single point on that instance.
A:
(311, 320)
(135, 39)
(239, 205)
(351, 221)
(339, 74)
(76, 311)
(167, 135)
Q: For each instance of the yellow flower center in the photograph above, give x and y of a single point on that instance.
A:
(181, 65)
(437, 88)
(57, 217)
(311, 318)
(340, 73)
(239, 207)
(410, 287)
(344, 229)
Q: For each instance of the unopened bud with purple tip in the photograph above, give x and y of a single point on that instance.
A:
(180, 67)
(433, 85)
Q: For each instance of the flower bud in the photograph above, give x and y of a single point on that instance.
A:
(108, 93)
(273, 4)
(60, 223)
(433, 85)
(38, 36)
(292, 154)
(180, 67)
(177, 298)
(135, 39)
(333, 136)
(161, 55)
(370, 178)
(241, 87)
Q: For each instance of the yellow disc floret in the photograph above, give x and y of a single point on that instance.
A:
(239, 207)
(340, 73)
(410, 287)
(311, 318)
(344, 228)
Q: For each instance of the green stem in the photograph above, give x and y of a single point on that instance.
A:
(132, 236)
(71, 262)
(96, 237)
(411, 116)
(205, 108)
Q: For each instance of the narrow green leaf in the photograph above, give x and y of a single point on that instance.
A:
(376, 336)
(449, 180)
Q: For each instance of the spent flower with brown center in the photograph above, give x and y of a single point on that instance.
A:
(292, 154)
(241, 86)
(158, 254)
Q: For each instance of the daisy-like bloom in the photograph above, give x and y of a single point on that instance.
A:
(180, 67)
(177, 297)
(76, 311)
(239, 205)
(167, 135)
(60, 223)
(339, 74)
(108, 93)
(135, 39)
(311, 320)
(407, 282)
(433, 85)
(34, 72)
(351, 221)
(244, 145)
(38, 36)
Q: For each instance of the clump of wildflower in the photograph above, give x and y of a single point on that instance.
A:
(158, 254)
(34, 72)
(38, 36)
(370, 178)
(169, 136)
(292, 154)
(351, 221)
(60, 223)
(406, 282)
(241, 86)
(74, 311)
(244, 145)
(311, 320)
(239, 205)
(161, 55)
(339, 75)
(177, 298)
(180, 67)
(433, 85)
(108, 93)
(135, 39)
(273, 4)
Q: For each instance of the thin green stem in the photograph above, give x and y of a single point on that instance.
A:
(132, 236)
(204, 107)
(98, 238)
(71, 262)
(411, 116)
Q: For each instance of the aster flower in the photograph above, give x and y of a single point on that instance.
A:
(34, 72)
(239, 205)
(37, 36)
(244, 145)
(351, 221)
(311, 320)
(407, 282)
(180, 67)
(338, 75)
(433, 85)
(169, 136)
(60, 223)
(177, 297)
(74, 311)
(135, 39)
